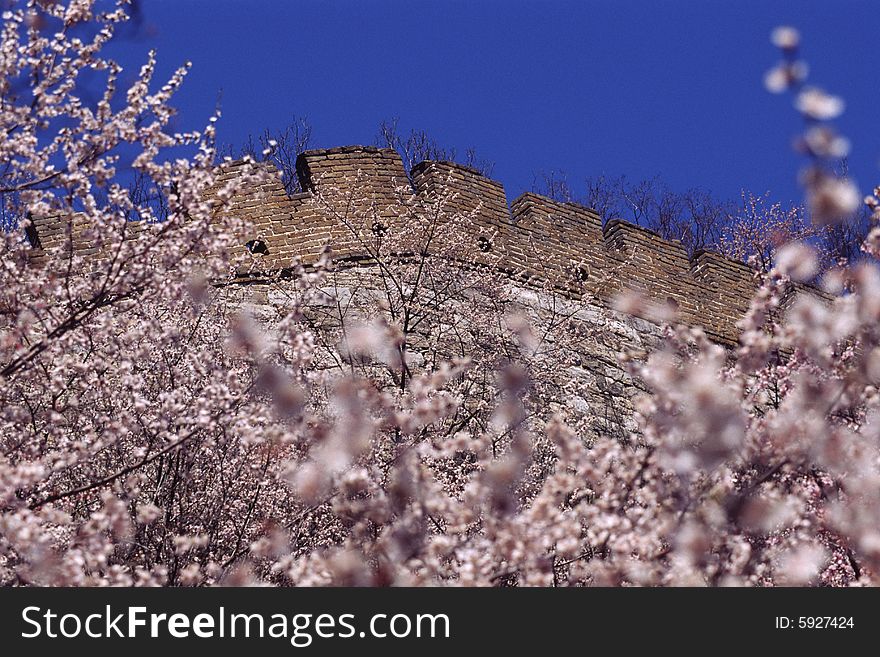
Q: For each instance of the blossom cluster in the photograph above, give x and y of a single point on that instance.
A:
(401, 422)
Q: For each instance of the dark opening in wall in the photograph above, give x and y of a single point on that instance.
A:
(31, 233)
(379, 229)
(581, 274)
(257, 246)
(484, 243)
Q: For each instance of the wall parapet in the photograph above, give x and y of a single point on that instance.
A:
(354, 193)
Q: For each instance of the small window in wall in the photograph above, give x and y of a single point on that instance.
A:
(484, 243)
(257, 247)
(379, 229)
(581, 274)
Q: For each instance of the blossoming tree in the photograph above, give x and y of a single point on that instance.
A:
(151, 432)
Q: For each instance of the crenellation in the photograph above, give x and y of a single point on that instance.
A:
(655, 267)
(561, 241)
(471, 192)
(353, 194)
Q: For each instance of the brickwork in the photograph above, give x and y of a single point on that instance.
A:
(354, 193)
(554, 254)
(536, 237)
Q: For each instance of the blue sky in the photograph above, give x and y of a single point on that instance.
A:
(634, 87)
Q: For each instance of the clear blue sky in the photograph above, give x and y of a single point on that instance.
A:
(634, 87)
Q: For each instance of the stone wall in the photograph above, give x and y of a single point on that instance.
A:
(534, 237)
(356, 194)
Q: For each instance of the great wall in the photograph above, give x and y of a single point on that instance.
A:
(535, 234)
(533, 239)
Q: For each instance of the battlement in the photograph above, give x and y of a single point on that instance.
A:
(356, 193)
(535, 237)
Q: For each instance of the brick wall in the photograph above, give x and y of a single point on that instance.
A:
(353, 192)
(537, 238)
